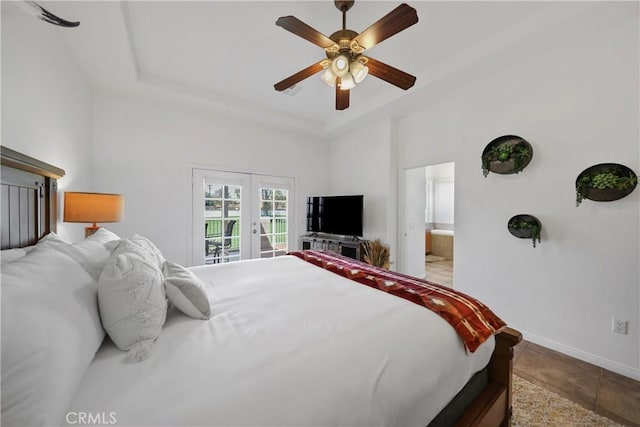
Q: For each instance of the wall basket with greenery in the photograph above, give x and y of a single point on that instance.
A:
(525, 226)
(605, 182)
(506, 155)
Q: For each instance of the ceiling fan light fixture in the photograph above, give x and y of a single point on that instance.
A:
(359, 71)
(346, 66)
(347, 82)
(328, 77)
(340, 65)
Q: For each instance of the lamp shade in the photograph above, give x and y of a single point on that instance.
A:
(93, 207)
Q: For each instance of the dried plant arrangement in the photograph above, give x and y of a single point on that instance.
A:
(376, 253)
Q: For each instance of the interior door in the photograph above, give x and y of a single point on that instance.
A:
(413, 238)
(240, 216)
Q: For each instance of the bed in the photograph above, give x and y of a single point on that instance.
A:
(286, 343)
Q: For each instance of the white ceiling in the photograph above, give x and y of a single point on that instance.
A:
(227, 55)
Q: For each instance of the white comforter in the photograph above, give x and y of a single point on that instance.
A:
(288, 344)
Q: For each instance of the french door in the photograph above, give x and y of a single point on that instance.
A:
(240, 216)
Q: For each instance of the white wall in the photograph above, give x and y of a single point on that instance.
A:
(147, 150)
(573, 92)
(363, 162)
(577, 104)
(440, 171)
(46, 102)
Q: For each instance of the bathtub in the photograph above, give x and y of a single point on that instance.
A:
(439, 242)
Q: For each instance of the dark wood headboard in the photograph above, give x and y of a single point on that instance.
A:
(28, 199)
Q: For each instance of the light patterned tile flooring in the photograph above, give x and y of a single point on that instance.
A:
(440, 272)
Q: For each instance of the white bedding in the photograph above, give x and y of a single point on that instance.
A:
(287, 344)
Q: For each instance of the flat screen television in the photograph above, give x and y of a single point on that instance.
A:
(335, 215)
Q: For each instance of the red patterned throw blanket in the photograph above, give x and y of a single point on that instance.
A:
(473, 321)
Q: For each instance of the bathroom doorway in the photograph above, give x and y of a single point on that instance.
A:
(427, 216)
(439, 222)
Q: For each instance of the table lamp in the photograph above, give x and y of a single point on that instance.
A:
(93, 208)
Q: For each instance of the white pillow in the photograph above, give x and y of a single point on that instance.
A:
(104, 236)
(133, 303)
(141, 246)
(50, 333)
(92, 253)
(149, 247)
(186, 291)
(51, 236)
(128, 246)
(10, 255)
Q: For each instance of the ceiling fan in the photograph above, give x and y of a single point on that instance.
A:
(41, 13)
(346, 65)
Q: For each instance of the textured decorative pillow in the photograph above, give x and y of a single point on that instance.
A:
(128, 246)
(133, 303)
(50, 333)
(149, 248)
(186, 291)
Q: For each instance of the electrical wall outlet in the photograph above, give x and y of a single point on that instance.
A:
(619, 326)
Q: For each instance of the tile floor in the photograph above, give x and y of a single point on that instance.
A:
(608, 394)
(440, 272)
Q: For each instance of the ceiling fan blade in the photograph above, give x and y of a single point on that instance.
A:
(390, 74)
(342, 97)
(400, 18)
(299, 76)
(299, 28)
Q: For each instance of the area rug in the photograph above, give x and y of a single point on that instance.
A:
(434, 258)
(534, 406)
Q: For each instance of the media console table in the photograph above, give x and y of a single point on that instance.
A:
(346, 246)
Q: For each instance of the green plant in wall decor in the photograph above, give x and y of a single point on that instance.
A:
(605, 182)
(507, 154)
(525, 226)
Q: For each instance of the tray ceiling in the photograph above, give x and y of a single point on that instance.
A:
(228, 54)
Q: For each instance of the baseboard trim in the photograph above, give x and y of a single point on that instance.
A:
(609, 365)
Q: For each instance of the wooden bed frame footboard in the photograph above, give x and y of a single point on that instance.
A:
(492, 407)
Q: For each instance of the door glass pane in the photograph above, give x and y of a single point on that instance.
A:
(273, 222)
(232, 192)
(221, 223)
